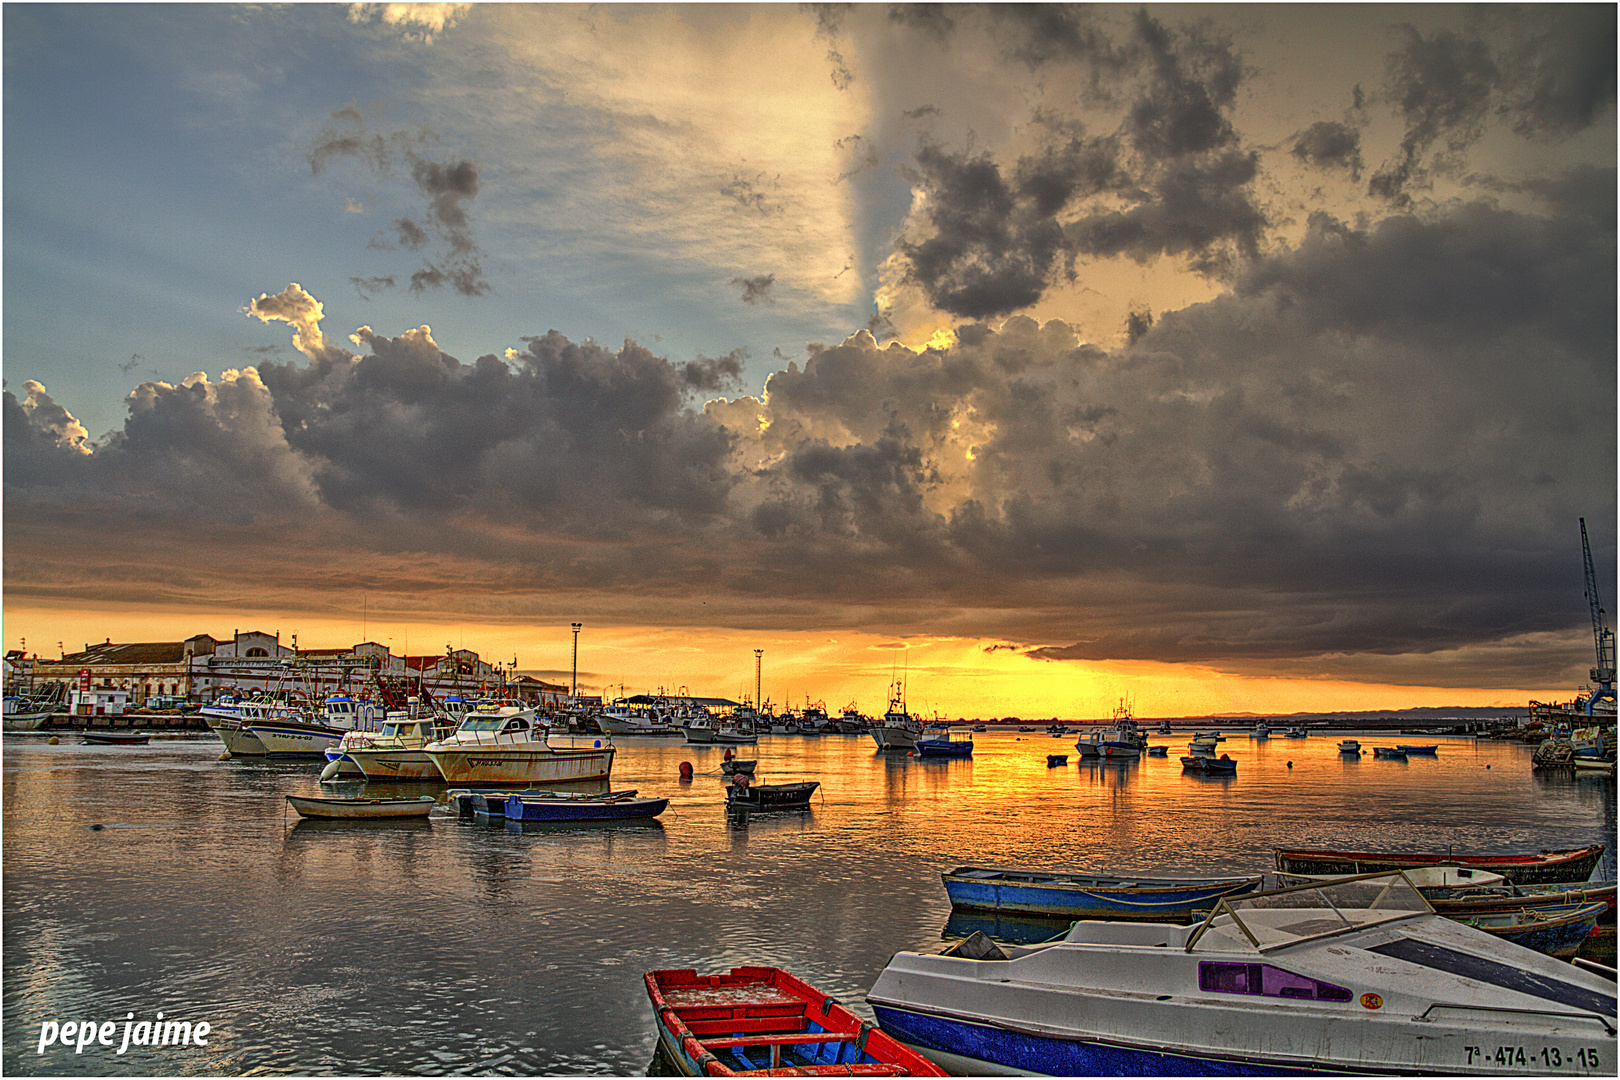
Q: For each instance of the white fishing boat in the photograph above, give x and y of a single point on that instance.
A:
(621, 719)
(898, 730)
(394, 753)
(293, 737)
(1120, 740)
(361, 721)
(229, 719)
(515, 751)
(1358, 975)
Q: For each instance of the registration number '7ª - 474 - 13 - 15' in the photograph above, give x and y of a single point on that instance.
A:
(1546, 1057)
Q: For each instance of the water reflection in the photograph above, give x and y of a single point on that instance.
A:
(453, 945)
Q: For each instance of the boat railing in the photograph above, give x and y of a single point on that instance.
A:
(1561, 1014)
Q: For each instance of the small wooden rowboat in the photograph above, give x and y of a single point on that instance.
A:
(552, 808)
(770, 796)
(361, 808)
(1389, 753)
(763, 1021)
(1571, 864)
(1055, 894)
(1556, 931)
(116, 738)
(1210, 766)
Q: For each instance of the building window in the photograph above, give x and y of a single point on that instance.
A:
(257, 652)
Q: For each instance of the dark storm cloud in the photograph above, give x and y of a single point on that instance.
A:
(756, 290)
(1555, 76)
(1330, 144)
(1372, 451)
(1175, 179)
(448, 187)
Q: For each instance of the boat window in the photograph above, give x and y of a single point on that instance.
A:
(1258, 922)
(517, 723)
(1267, 981)
(491, 724)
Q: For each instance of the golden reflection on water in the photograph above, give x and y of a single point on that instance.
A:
(454, 945)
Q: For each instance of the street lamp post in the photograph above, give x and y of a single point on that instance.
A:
(757, 704)
(574, 691)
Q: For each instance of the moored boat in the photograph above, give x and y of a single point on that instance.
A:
(1210, 766)
(1571, 864)
(1431, 750)
(492, 750)
(117, 738)
(764, 1021)
(1120, 739)
(1389, 753)
(746, 796)
(898, 730)
(398, 752)
(1350, 746)
(361, 808)
(943, 747)
(292, 737)
(1558, 930)
(546, 806)
(1060, 894)
(1353, 976)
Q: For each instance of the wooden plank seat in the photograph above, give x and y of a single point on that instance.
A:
(791, 1039)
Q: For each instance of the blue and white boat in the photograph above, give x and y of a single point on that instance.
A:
(1357, 975)
(550, 806)
(943, 747)
(1057, 894)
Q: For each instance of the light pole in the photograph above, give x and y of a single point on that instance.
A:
(757, 654)
(574, 691)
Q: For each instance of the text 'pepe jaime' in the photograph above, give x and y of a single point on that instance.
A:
(159, 1032)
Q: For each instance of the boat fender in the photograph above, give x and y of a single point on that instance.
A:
(330, 770)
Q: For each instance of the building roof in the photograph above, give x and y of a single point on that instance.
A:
(136, 652)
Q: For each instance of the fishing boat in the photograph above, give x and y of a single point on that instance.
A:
(1058, 894)
(621, 719)
(1295, 733)
(550, 806)
(1427, 751)
(361, 808)
(1571, 864)
(1389, 753)
(898, 730)
(398, 752)
(1557, 931)
(764, 1021)
(1210, 766)
(1053, 760)
(1120, 739)
(511, 751)
(1262, 730)
(117, 738)
(1350, 746)
(28, 712)
(293, 737)
(943, 747)
(1202, 746)
(1353, 976)
(1157, 751)
(1593, 766)
(747, 796)
(733, 766)
(228, 718)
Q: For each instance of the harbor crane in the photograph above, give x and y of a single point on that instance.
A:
(1603, 674)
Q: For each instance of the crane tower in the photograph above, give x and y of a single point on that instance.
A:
(1603, 637)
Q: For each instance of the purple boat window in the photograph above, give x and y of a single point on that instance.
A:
(1266, 981)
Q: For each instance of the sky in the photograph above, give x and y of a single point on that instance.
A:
(1249, 358)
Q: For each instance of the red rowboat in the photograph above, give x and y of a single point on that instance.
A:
(763, 1021)
(1540, 868)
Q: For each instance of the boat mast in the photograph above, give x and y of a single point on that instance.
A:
(1603, 674)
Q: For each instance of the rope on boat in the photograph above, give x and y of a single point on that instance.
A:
(1114, 899)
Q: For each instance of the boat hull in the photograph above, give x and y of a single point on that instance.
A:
(357, 809)
(958, 748)
(116, 738)
(771, 796)
(1075, 896)
(1555, 931)
(1544, 868)
(519, 808)
(894, 737)
(407, 765)
(521, 767)
(26, 721)
(293, 739)
(238, 742)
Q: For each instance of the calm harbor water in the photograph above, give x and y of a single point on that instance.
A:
(457, 947)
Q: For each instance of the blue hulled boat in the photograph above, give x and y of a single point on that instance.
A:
(943, 747)
(581, 808)
(1087, 896)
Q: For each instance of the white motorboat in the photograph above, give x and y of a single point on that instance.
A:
(292, 737)
(1350, 746)
(395, 753)
(515, 750)
(1262, 730)
(1357, 975)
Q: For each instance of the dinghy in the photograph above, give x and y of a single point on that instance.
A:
(361, 808)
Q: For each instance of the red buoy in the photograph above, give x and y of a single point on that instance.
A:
(686, 771)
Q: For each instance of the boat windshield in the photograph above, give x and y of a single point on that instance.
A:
(1260, 922)
(493, 723)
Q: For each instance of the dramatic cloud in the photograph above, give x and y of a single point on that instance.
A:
(1378, 422)
(448, 187)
